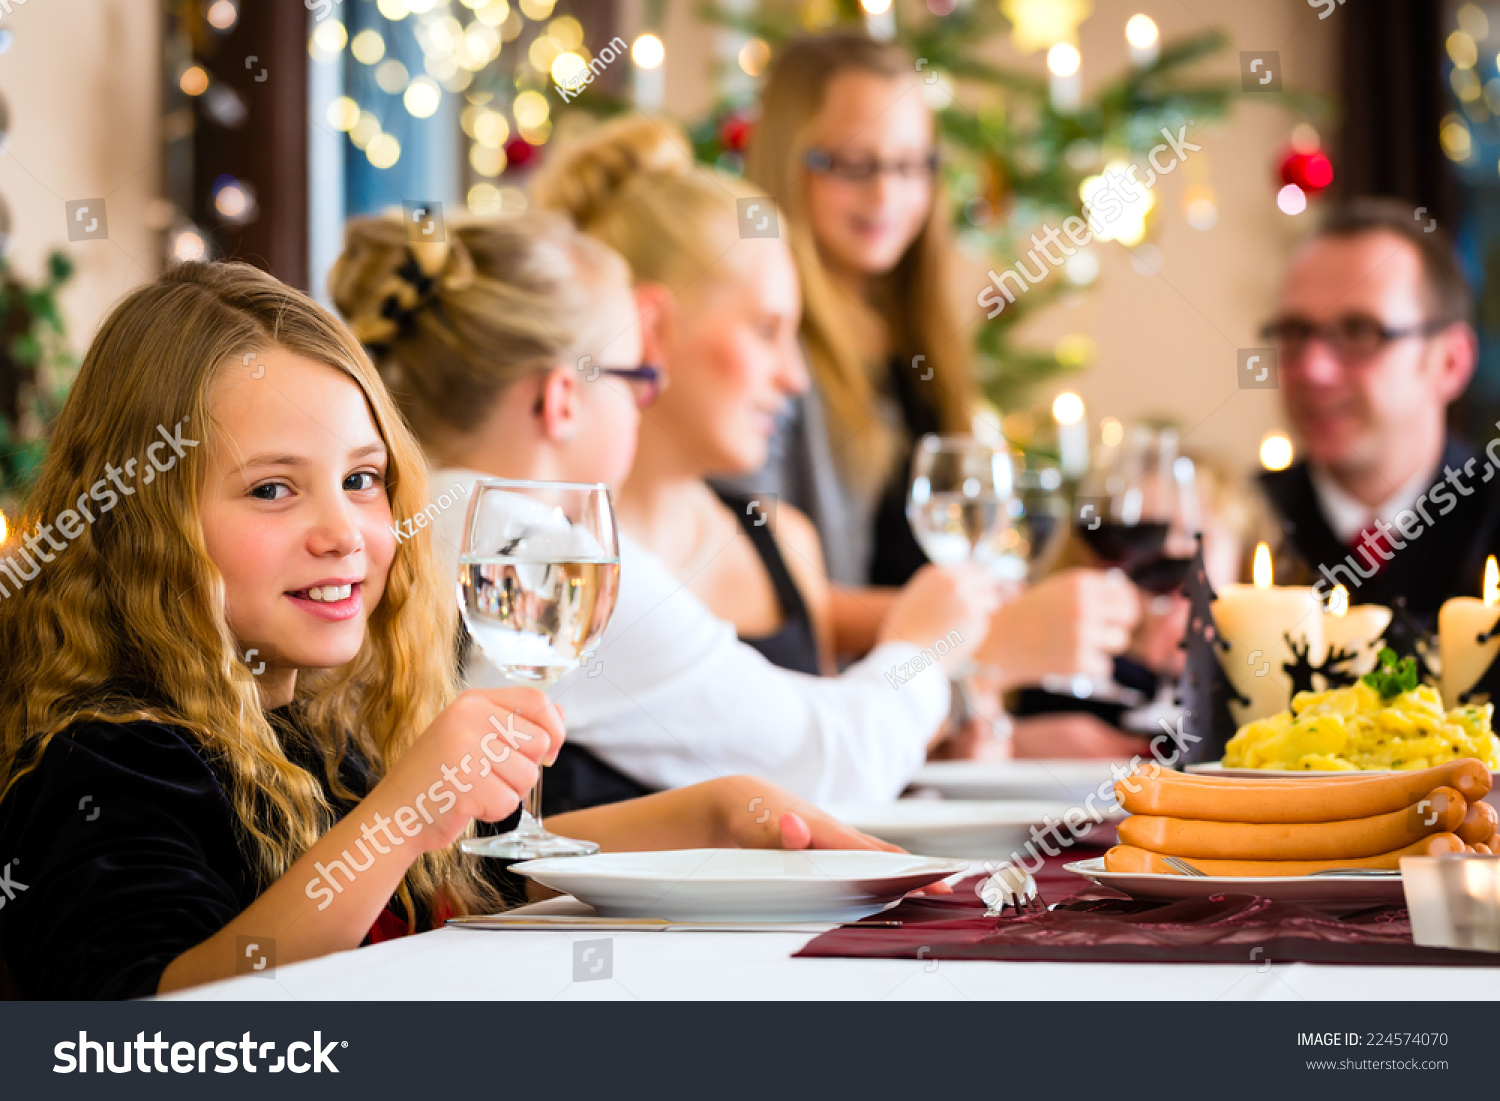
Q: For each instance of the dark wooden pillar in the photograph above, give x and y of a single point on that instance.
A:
(263, 61)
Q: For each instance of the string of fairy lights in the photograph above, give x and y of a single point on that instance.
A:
(502, 59)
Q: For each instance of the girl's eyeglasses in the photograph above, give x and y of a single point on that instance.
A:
(822, 162)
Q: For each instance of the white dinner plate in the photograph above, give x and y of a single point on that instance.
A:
(1066, 781)
(1347, 892)
(1215, 768)
(740, 884)
(957, 827)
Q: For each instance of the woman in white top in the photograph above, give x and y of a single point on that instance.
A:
(515, 351)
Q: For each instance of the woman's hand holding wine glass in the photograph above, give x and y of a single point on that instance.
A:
(952, 603)
(1068, 625)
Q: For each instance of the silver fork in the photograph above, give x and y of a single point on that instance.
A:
(1013, 886)
(1182, 867)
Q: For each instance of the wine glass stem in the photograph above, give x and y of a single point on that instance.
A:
(531, 812)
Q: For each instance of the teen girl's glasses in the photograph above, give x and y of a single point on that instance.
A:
(852, 169)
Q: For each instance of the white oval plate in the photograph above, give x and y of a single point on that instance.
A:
(1342, 891)
(1068, 780)
(958, 828)
(831, 885)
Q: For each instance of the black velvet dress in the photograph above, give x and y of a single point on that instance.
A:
(121, 851)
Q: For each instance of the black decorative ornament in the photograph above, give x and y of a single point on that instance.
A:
(1204, 691)
(1336, 669)
(1410, 639)
(1487, 688)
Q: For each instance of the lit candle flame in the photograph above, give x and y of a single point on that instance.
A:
(1491, 583)
(4, 529)
(1338, 601)
(1262, 569)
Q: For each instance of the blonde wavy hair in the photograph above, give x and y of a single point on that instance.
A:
(632, 183)
(451, 325)
(129, 624)
(916, 296)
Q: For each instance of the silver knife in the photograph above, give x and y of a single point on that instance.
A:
(555, 922)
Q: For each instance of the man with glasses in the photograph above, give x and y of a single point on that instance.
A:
(1374, 340)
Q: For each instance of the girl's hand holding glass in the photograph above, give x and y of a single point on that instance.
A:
(478, 759)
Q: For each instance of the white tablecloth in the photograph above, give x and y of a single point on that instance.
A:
(455, 963)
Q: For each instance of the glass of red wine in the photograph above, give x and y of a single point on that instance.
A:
(1138, 512)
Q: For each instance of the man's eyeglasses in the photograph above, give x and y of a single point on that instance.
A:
(822, 162)
(1352, 338)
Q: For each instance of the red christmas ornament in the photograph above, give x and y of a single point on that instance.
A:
(734, 133)
(519, 153)
(1312, 172)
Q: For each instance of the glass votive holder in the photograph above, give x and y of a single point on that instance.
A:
(1453, 900)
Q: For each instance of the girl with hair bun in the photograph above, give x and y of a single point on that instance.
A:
(229, 709)
(534, 366)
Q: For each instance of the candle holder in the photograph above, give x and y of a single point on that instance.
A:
(1453, 900)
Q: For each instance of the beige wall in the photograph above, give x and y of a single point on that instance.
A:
(82, 79)
(1166, 342)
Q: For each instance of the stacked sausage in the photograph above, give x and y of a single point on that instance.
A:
(1293, 826)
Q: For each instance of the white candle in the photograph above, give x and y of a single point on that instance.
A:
(1353, 630)
(880, 19)
(1461, 621)
(1066, 87)
(1254, 619)
(1072, 434)
(648, 82)
(1144, 39)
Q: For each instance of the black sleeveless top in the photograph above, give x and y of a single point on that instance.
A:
(794, 646)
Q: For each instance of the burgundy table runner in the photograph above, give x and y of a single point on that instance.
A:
(1098, 925)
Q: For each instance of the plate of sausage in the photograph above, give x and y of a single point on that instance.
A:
(1352, 891)
(1295, 838)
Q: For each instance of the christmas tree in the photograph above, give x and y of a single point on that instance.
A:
(33, 363)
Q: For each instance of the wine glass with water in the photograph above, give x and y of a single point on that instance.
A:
(959, 509)
(538, 575)
(957, 505)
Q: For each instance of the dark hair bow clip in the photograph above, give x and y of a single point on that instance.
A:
(412, 274)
